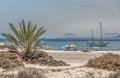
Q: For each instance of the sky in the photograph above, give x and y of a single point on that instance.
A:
(62, 16)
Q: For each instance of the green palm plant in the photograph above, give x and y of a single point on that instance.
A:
(26, 38)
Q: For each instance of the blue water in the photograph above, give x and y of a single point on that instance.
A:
(81, 45)
(56, 45)
(4, 41)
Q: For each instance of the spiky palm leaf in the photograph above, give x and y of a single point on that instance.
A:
(26, 38)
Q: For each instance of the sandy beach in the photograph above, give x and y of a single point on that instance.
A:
(73, 56)
(77, 57)
(77, 60)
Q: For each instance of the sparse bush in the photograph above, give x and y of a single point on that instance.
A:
(8, 55)
(39, 54)
(9, 60)
(31, 73)
(6, 63)
(107, 61)
(7, 76)
(115, 75)
(43, 58)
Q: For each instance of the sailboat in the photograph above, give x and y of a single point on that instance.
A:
(100, 43)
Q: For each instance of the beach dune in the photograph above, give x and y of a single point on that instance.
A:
(77, 60)
(76, 57)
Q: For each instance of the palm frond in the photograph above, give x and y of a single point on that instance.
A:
(37, 43)
(11, 38)
(14, 30)
(26, 38)
(39, 32)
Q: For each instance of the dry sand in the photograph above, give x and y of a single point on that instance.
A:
(77, 57)
(77, 60)
(74, 57)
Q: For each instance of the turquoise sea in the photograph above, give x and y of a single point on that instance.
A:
(81, 45)
(57, 45)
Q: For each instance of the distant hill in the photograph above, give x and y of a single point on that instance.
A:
(69, 35)
(112, 35)
(118, 36)
(73, 37)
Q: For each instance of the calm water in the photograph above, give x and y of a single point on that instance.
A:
(57, 45)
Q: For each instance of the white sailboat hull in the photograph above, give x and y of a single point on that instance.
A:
(99, 44)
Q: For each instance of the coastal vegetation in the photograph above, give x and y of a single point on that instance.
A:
(108, 61)
(26, 49)
(26, 38)
(26, 43)
(10, 60)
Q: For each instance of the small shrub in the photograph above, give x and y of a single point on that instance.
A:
(8, 55)
(7, 76)
(6, 63)
(31, 73)
(115, 75)
(108, 61)
(43, 58)
(10, 60)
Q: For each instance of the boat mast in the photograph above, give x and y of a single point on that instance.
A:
(92, 36)
(101, 32)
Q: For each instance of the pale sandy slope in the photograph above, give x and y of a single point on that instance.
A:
(77, 56)
(76, 59)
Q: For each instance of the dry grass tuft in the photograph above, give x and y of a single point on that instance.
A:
(115, 75)
(43, 58)
(31, 73)
(9, 60)
(107, 61)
